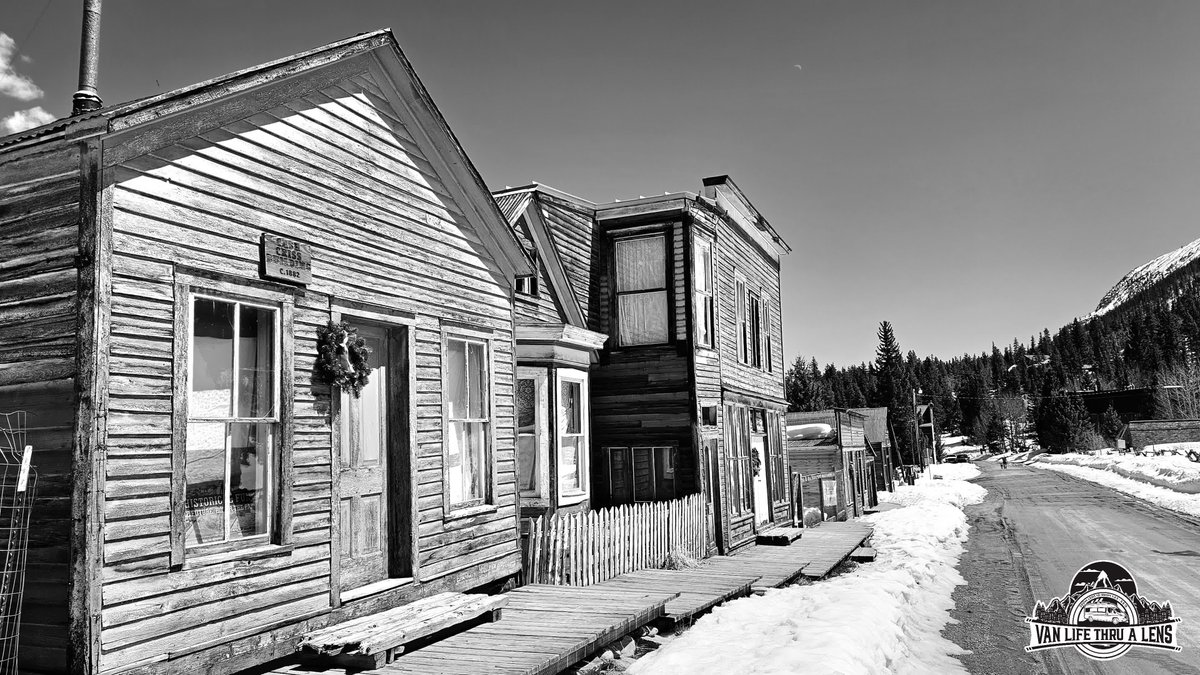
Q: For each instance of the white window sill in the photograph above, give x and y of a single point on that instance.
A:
(467, 512)
(572, 499)
(374, 589)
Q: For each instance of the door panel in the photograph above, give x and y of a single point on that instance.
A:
(362, 491)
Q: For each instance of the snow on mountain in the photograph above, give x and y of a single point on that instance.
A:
(1143, 277)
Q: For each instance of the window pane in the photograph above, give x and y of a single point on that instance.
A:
(249, 484)
(702, 268)
(527, 456)
(204, 494)
(641, 264)
(572, 412)
(477, 370)
(456, 378)
(372, 401)
(466, 467)
(569, 465)
(212, 359)
(643, 318)
(256, 367)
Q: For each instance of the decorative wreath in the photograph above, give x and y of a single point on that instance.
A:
(755, 461)
(342, 357)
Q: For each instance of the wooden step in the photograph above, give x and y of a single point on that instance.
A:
(863, 554)
(779, 536)
(374, 640)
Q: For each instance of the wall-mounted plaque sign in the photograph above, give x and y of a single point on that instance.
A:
(286, 259)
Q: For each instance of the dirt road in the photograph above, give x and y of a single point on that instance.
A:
(1036, 529)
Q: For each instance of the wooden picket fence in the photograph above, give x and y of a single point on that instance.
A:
(580, 549)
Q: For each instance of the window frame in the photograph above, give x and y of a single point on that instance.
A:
(278, 537)
(488, 501)
(737, 451)
(754, 344)
(541, 386)
(704, 305)
(740, 323)
(665, 288)
(768, 326)
(670, 454)
(583, 460)
(530, 283)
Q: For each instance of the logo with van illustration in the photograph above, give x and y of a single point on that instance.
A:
(1103, 616)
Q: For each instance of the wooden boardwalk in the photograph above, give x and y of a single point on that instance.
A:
(543, 630)
(813, 555)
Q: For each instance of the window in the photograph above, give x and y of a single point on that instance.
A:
(641, 474)
(641, 288)
(572, 433)
(527, 285)
(768, 357)
(468, 419)
(737, 445)
(230, 459)
(529, 463)
(743, 330)
(754, 339)
(702, 263)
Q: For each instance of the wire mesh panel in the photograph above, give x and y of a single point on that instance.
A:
(18, 482)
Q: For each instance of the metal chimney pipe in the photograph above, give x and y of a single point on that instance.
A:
(87, 98)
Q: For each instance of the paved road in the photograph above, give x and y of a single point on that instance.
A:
(1034, 532)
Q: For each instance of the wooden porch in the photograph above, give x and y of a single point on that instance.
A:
(546, 628)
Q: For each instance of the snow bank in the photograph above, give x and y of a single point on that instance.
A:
(885, 616)
(806, 431)
(1174, 472)
(1174, 500)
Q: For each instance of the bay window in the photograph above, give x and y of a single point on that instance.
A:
(467, 410)
(641, 290)
(532, 435)
(572, 434)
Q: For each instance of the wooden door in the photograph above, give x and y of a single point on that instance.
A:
(363, 498)
(712, 495)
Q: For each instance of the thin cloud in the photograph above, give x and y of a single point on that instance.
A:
(13, 84)
(21, 120)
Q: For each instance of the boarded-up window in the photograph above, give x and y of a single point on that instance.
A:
(468, 418)
(702, 265)
(230, 454)
(641, 288)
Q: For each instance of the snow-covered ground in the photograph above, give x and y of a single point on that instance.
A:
(1174, 472)
(1169, 499)
(882, 617)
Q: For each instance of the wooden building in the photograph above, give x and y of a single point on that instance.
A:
(165, 267)
(687, 394)
(850, 463)
(877, 431)
(1146, 434)
(555, 352)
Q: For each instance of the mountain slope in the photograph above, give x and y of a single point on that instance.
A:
(1167, 270)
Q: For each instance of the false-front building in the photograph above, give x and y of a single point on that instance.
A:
(165, 268)
(687, 393)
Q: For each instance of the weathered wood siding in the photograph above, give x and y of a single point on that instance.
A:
(735, 252)
(40, 195)
(338, 169)
(573, 231)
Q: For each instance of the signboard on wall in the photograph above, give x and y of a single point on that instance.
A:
(286, 259)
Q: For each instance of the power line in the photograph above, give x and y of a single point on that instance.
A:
(36, 21)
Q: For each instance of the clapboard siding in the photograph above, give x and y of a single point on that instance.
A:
(39, 241)
(339, 170)
(573, 232)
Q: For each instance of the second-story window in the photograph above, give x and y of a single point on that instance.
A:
(527, 285)
(768, 357)
(743, 328)
(755, 343)
(702, 264)
(641, 285)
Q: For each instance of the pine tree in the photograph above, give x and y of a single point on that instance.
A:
(1111, 424)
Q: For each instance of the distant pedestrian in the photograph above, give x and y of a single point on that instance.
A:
(1003, 462)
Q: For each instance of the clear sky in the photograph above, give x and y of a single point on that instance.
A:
(970, 171)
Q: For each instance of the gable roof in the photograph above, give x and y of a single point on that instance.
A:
(245, 92)
(876, 427)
